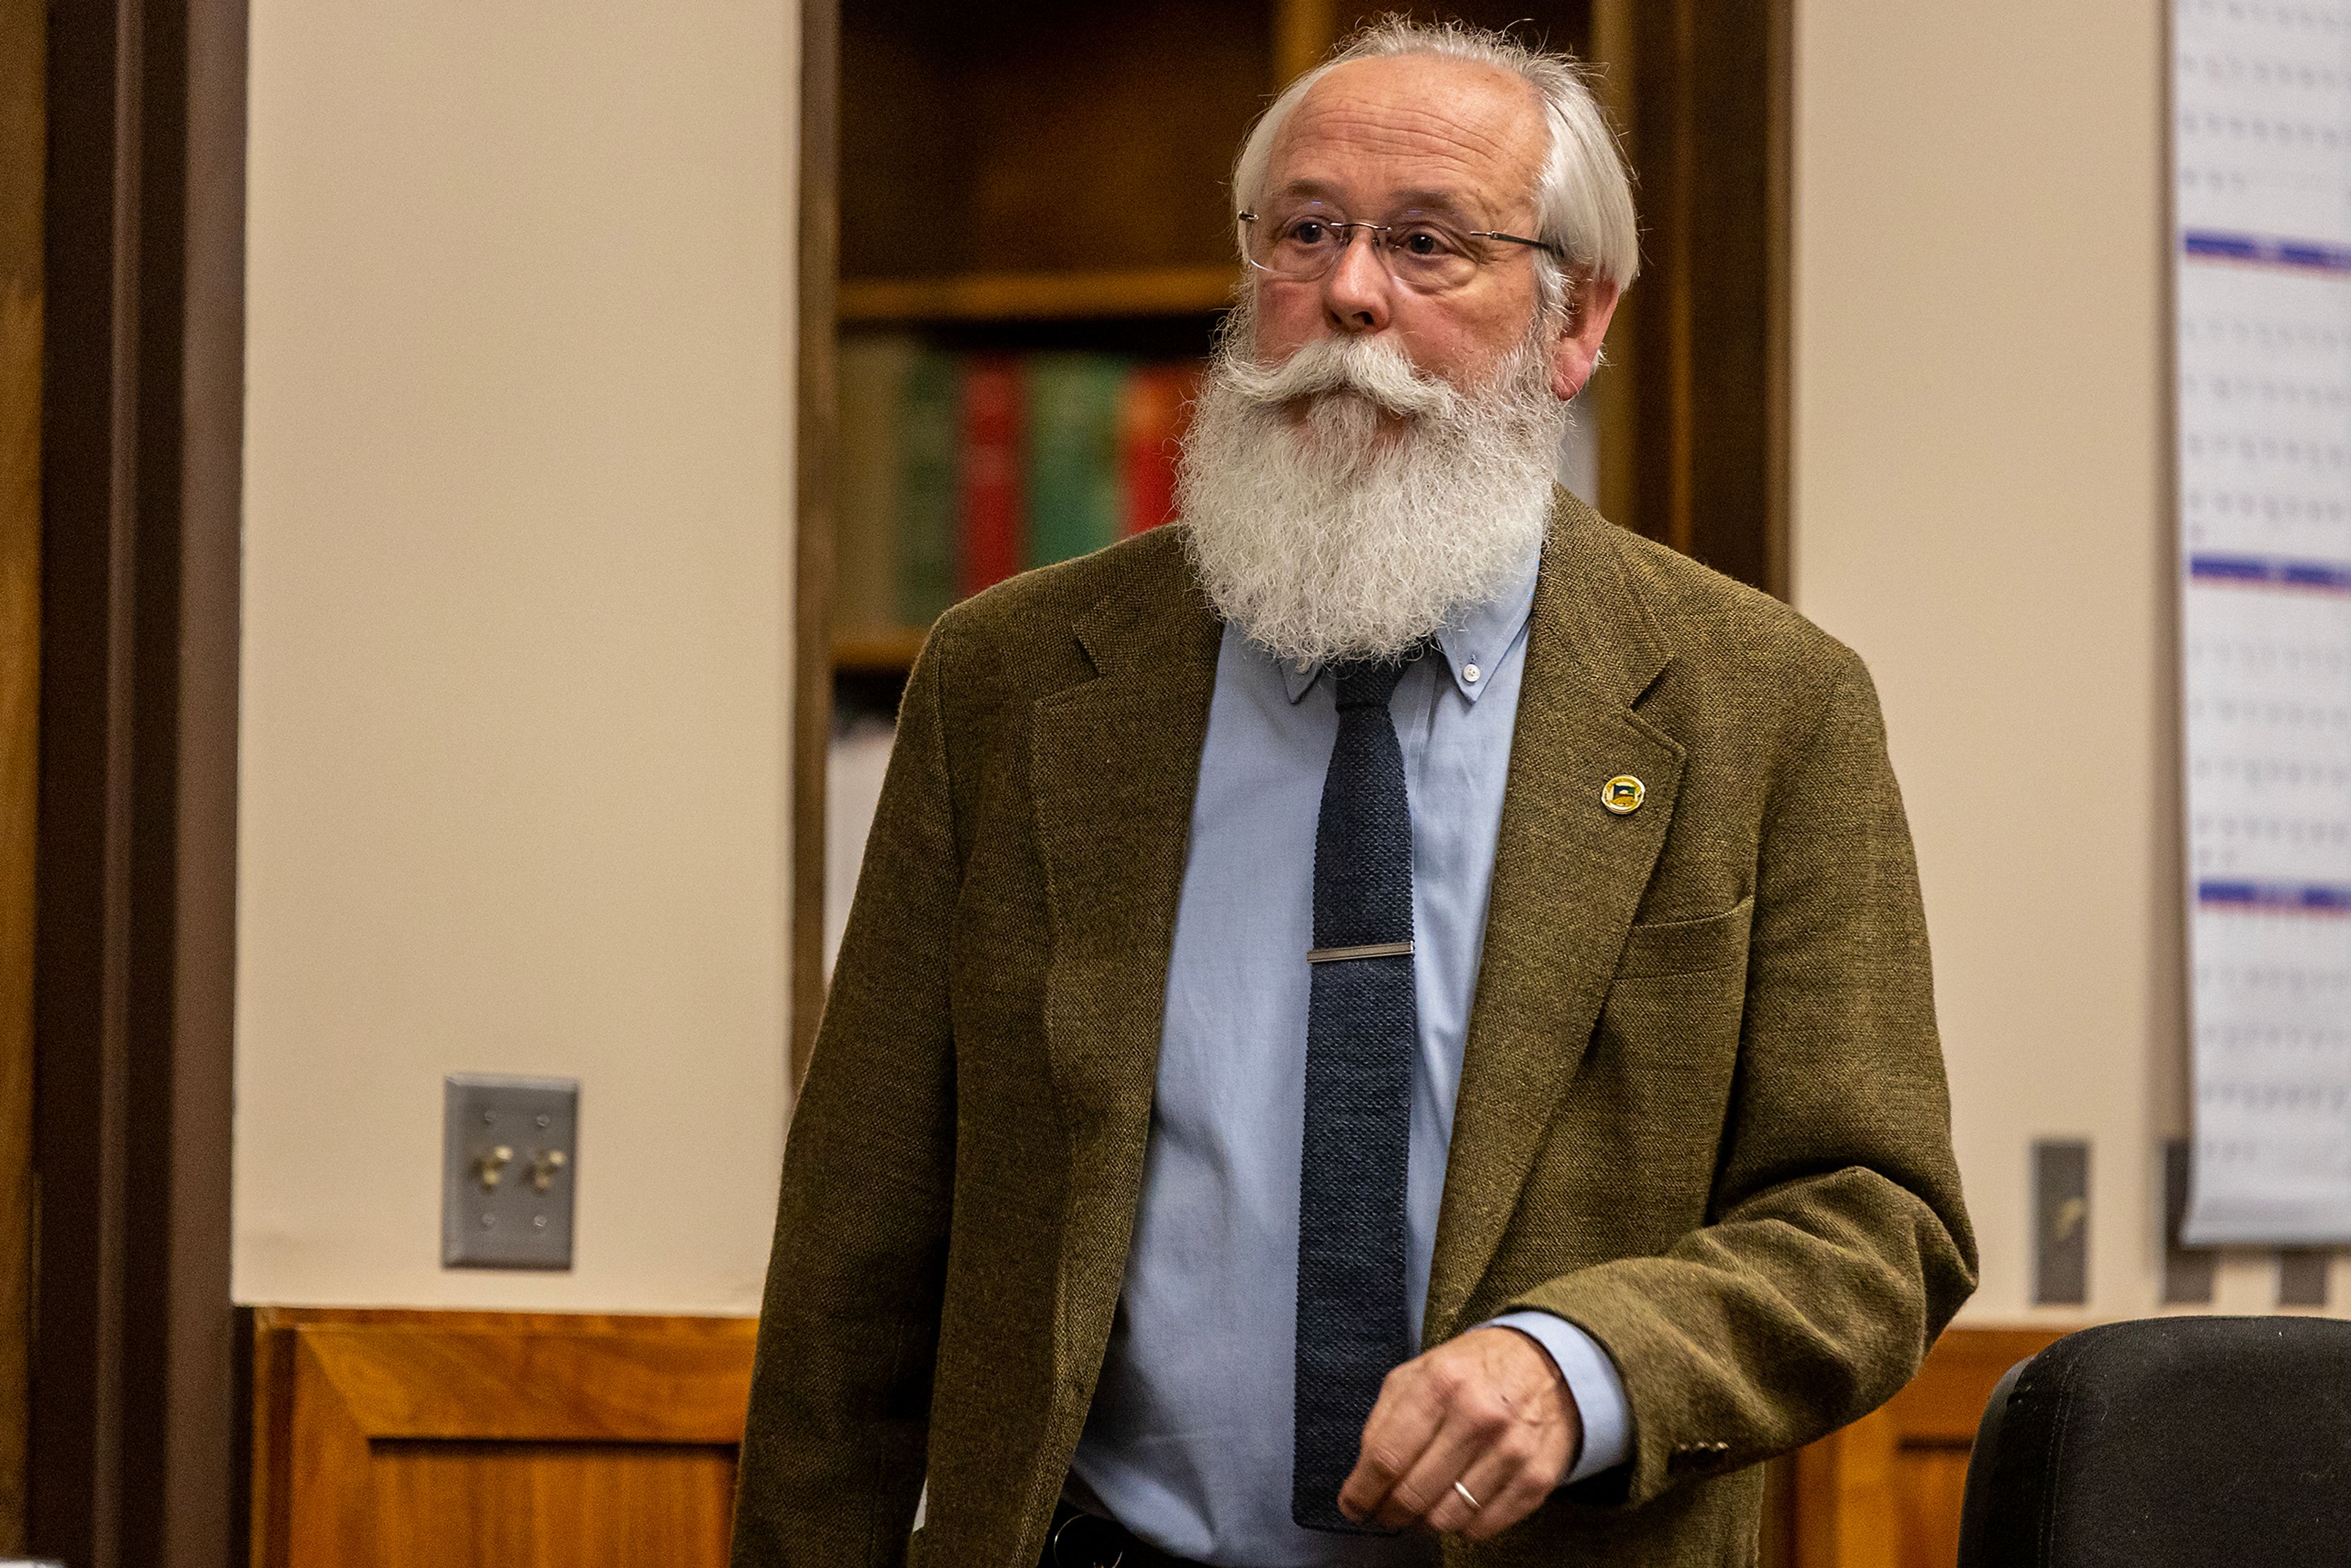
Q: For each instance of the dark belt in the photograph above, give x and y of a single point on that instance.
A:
(1085, 1541)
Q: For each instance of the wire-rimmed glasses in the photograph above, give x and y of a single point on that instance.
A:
(1428, 253)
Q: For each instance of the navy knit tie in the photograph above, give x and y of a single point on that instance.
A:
(1351, 1328)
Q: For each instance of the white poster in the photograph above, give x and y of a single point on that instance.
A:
(2262, 163)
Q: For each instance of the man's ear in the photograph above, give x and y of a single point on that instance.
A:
(1577, 350)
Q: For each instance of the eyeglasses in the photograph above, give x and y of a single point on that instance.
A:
(1423, 251)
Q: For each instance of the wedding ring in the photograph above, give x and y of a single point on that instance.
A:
(1466, 1497)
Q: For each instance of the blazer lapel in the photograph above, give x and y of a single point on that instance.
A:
(1568, 876)
(1114, 763)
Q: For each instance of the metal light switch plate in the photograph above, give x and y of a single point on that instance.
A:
(2301, 1276)
(2061, 1205)
(510, 1155)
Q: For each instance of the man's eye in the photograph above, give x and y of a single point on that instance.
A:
(1306, 231)
(1424, 242)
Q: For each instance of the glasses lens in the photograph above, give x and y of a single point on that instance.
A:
(1298, 241)
(1429, 253)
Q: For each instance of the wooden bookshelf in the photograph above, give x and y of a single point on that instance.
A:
(1012, 297)
(889, 650)
(1053, 176)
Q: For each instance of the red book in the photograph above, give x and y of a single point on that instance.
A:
(988, 545)
(1152, 417)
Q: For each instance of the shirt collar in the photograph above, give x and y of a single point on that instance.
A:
(1472, 645)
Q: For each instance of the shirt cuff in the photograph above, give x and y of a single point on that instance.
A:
(1591, 1380)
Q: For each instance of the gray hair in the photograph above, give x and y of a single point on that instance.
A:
(1585, 200)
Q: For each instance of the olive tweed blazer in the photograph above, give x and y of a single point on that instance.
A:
(1702, 1111)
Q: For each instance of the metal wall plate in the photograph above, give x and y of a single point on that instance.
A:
(2061, 1229)
(2301, 1276)
(510, 1160)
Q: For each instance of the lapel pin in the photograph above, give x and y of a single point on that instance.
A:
(1622, 794)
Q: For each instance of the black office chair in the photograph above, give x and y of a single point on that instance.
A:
(2166, 1443)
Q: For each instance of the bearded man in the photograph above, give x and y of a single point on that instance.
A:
(1389, 1019)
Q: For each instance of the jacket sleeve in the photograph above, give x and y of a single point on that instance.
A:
(1837, 1245)
(832, 1456)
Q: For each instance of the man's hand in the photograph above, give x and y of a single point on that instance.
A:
(1487, 1410)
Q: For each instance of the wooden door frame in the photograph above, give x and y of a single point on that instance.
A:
(24, 74)
(816, 415)
(134, 1450)
(1694, 407)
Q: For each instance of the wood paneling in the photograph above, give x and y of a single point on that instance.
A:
(543, 1505)
(1884, 1492)
(495, 1439)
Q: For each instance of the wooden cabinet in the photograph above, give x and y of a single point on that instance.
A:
(1884, 1492)
(496, 1439)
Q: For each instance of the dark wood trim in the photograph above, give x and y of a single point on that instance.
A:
(24, 65)
(1780, 299)
(1304, 32)
(1701, 352)
(1615, 35)
(996, 297)
(133, 1449)
(817, 413)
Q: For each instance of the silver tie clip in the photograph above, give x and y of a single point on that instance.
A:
(1370, 950)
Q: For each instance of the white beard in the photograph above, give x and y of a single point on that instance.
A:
(1386, 511)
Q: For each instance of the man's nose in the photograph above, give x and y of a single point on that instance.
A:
(1357, 291)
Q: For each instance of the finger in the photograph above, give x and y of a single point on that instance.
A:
(1425, 1491)
(1500, 1449)
(1402, 1423)
(1510, 1482)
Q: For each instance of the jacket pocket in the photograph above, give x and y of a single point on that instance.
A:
(1687, 946)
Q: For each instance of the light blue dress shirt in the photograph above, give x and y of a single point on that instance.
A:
(1188, 1442)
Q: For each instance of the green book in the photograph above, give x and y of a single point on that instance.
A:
(1072, 454)
(873, 368)
(926, 487)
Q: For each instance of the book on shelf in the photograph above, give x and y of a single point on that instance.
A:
(1074, 503)
(873, 369)
(959, 469)
(989, 514)
(924, 456)
(1155, 409)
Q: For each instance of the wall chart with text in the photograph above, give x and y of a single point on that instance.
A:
(2261, 169)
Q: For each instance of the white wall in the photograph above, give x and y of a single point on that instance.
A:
(1982, 476)
(515, 727)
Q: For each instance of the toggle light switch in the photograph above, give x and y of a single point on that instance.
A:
(495, 1128)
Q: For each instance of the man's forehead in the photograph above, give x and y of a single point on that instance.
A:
(1433, 125)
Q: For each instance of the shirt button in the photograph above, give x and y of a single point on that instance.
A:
(1469, 673)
